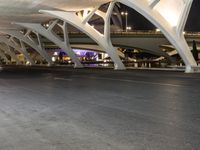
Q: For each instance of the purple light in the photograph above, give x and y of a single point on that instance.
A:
(80, 52)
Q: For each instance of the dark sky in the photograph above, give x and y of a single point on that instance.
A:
(138, 22)
(193, 23)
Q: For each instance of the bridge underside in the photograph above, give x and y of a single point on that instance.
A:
(55, 30)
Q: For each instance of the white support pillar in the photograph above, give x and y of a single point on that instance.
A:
(26, 54)
(3, 56)
(81, 23)
(8, 51)
(26, 39)
(184, 16)
(48, 33)
(168, 24)
(10, 42)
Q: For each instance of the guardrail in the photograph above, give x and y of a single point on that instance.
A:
(142, 32)
(134, 33)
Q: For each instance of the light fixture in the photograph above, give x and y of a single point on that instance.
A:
(157, 30)
(55, 54)
(129, 28)
(53, 59)
(126, 19)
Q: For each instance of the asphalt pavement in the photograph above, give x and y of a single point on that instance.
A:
(98, 109)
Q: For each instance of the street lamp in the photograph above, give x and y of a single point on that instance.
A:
(129, 28)
(126, 18)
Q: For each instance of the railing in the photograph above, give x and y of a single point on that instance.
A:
(133, 33)
(142, 32)
(137, 32)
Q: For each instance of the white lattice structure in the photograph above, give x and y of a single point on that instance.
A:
(3, 56)
(49, 34)
(168, 15)
(34, 43)
(19, 47)
(7, 50)
(80, 21)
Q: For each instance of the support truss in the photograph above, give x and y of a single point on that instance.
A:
(152, 10)
(20, 48)
(12, 54)
(3, 56)
(81, 22)
(26, 38)
(49, 34)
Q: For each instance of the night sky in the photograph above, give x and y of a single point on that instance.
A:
(193, 23)
(138, 22)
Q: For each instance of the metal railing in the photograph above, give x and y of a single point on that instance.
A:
(141, 32)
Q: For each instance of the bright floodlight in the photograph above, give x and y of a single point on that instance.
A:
(157, 30)
(124, 13)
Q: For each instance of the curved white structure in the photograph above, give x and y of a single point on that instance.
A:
(20, 48)
(81, 22)
(168, 15)
(7, 50)
(49, 34)
(3, 56)
(37, 45)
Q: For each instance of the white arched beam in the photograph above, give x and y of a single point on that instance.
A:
(81, 22)
(3, 56)
(48, 33)
(184, 16)
(16, 46)
(8, 51)
(24, 50)
(153, 3)
(172, 31)
(26, 39)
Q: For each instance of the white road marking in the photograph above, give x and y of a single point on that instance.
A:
(131, 81)
(64, 79)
